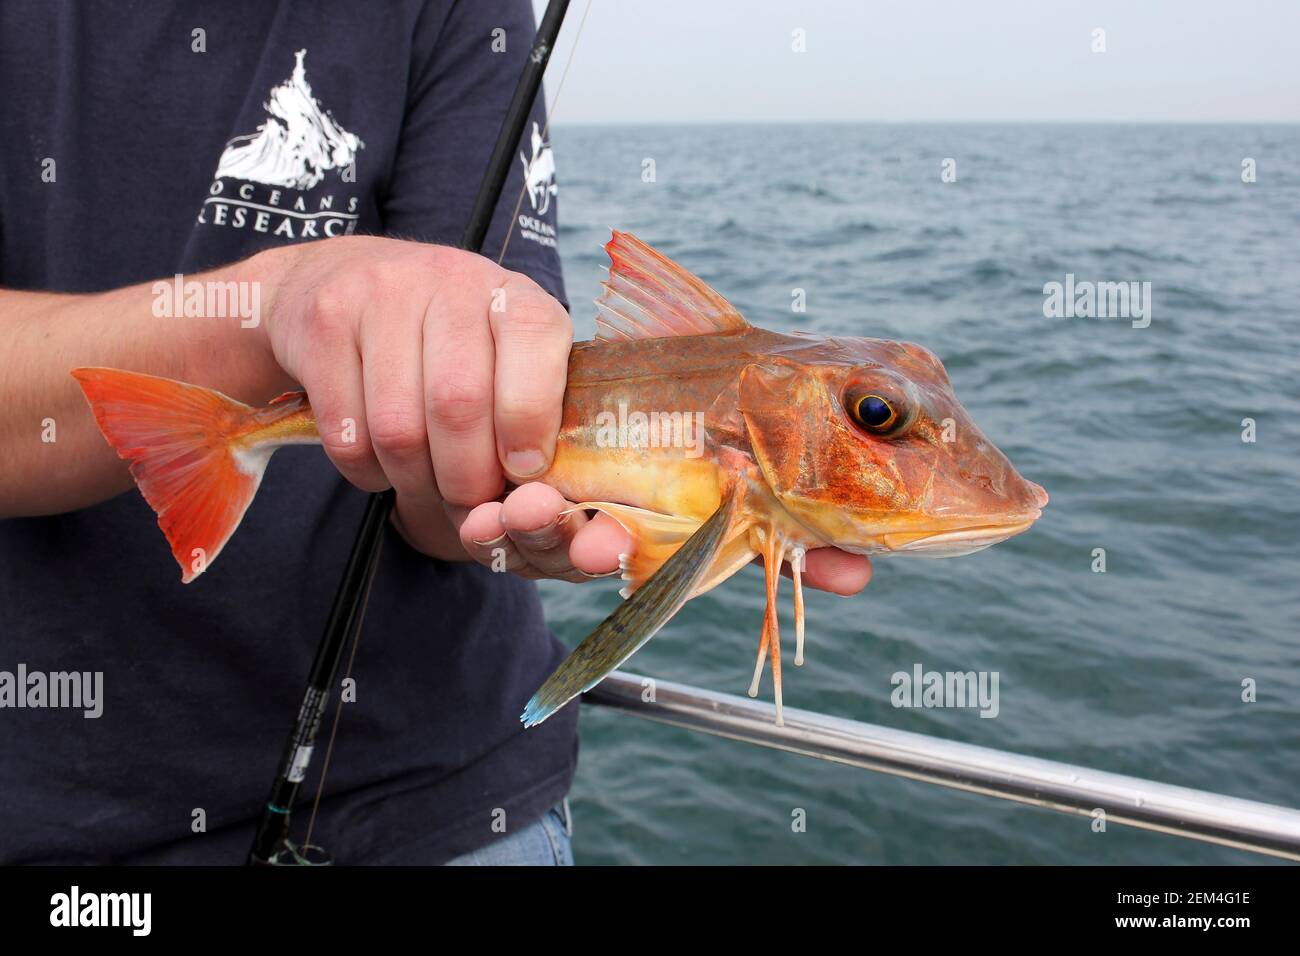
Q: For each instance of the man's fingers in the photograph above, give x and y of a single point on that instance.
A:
(529, 533)
(431, 532)
(533, 335)
(830, 569)
(481, 526)
(334, 382)
(392, 368)
(485, 539)
(458, 371)
(536, 518)
(597, 545)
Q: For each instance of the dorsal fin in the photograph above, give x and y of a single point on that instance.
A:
(648, 296)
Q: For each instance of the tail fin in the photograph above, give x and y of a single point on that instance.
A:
(179, 441)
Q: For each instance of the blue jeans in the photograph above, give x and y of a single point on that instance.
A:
(543, 843)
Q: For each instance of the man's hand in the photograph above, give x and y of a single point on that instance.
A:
(430, 370)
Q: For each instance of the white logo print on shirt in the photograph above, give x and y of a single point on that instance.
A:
(262, 178)
(296, 145)
(539, 174)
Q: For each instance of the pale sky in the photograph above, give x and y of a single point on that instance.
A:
(929, 60)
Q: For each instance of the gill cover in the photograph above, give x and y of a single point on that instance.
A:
(785, 409)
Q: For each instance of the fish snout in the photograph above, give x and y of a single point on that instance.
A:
(1023, 500)
(1020, 496)
(999, 493)
(1039, 493)
(995, 489)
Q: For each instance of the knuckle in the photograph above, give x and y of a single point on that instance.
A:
(526, 408)
(398, 430)
(469, 490)
(385, 278)
(349, 454)
(455, 268)
(537, 315)
(330, 306)
(459, 403)
(437, 259)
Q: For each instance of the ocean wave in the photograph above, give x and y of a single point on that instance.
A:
(903, 253)
(811, 191)
(987, 271)
(1118, 250)
(1184, 199)
(1184, 297)
(942, 232)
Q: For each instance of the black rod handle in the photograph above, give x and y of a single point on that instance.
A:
(344, 619)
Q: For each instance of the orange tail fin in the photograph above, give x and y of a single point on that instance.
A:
(179, 440)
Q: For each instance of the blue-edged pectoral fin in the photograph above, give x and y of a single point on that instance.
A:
(636, 620)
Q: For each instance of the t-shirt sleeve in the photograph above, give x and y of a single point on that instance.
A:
(461, 83)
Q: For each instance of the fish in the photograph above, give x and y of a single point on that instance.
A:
(711, 441)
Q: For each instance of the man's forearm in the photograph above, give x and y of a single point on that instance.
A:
(54, 458)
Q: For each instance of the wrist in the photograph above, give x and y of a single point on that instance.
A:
(236, 347)
(267, 271)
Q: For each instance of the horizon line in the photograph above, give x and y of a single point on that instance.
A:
(561, 122)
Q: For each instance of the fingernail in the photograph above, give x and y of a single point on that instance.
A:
(527, 463)
(487, 544)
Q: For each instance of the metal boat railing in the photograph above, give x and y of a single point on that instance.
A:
(1181, 811)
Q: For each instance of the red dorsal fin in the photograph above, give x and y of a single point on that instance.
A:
(648, 296)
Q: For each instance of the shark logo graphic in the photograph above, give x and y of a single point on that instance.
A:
(539, 174)
(298, 143)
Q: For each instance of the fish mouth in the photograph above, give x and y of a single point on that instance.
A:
(952, 542)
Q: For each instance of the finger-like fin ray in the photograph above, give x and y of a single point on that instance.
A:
(773, 554)
(797, 556)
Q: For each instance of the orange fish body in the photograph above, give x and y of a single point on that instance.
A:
(711, 441)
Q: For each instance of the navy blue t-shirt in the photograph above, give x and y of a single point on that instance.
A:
(175, 151)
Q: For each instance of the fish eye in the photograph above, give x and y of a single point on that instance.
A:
(874, 413)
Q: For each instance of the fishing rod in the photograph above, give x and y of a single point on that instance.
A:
(271, 845)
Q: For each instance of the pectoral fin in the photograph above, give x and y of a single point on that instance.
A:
(636, 620)
(655, 538)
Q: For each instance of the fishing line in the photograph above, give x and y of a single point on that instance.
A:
(338, 709)
(546, 125)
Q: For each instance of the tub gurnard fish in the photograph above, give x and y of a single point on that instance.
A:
(739, 443)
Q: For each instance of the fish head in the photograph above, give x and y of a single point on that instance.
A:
(864, 443)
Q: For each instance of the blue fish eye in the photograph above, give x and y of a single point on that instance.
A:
(874, 411)
(875, 414)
